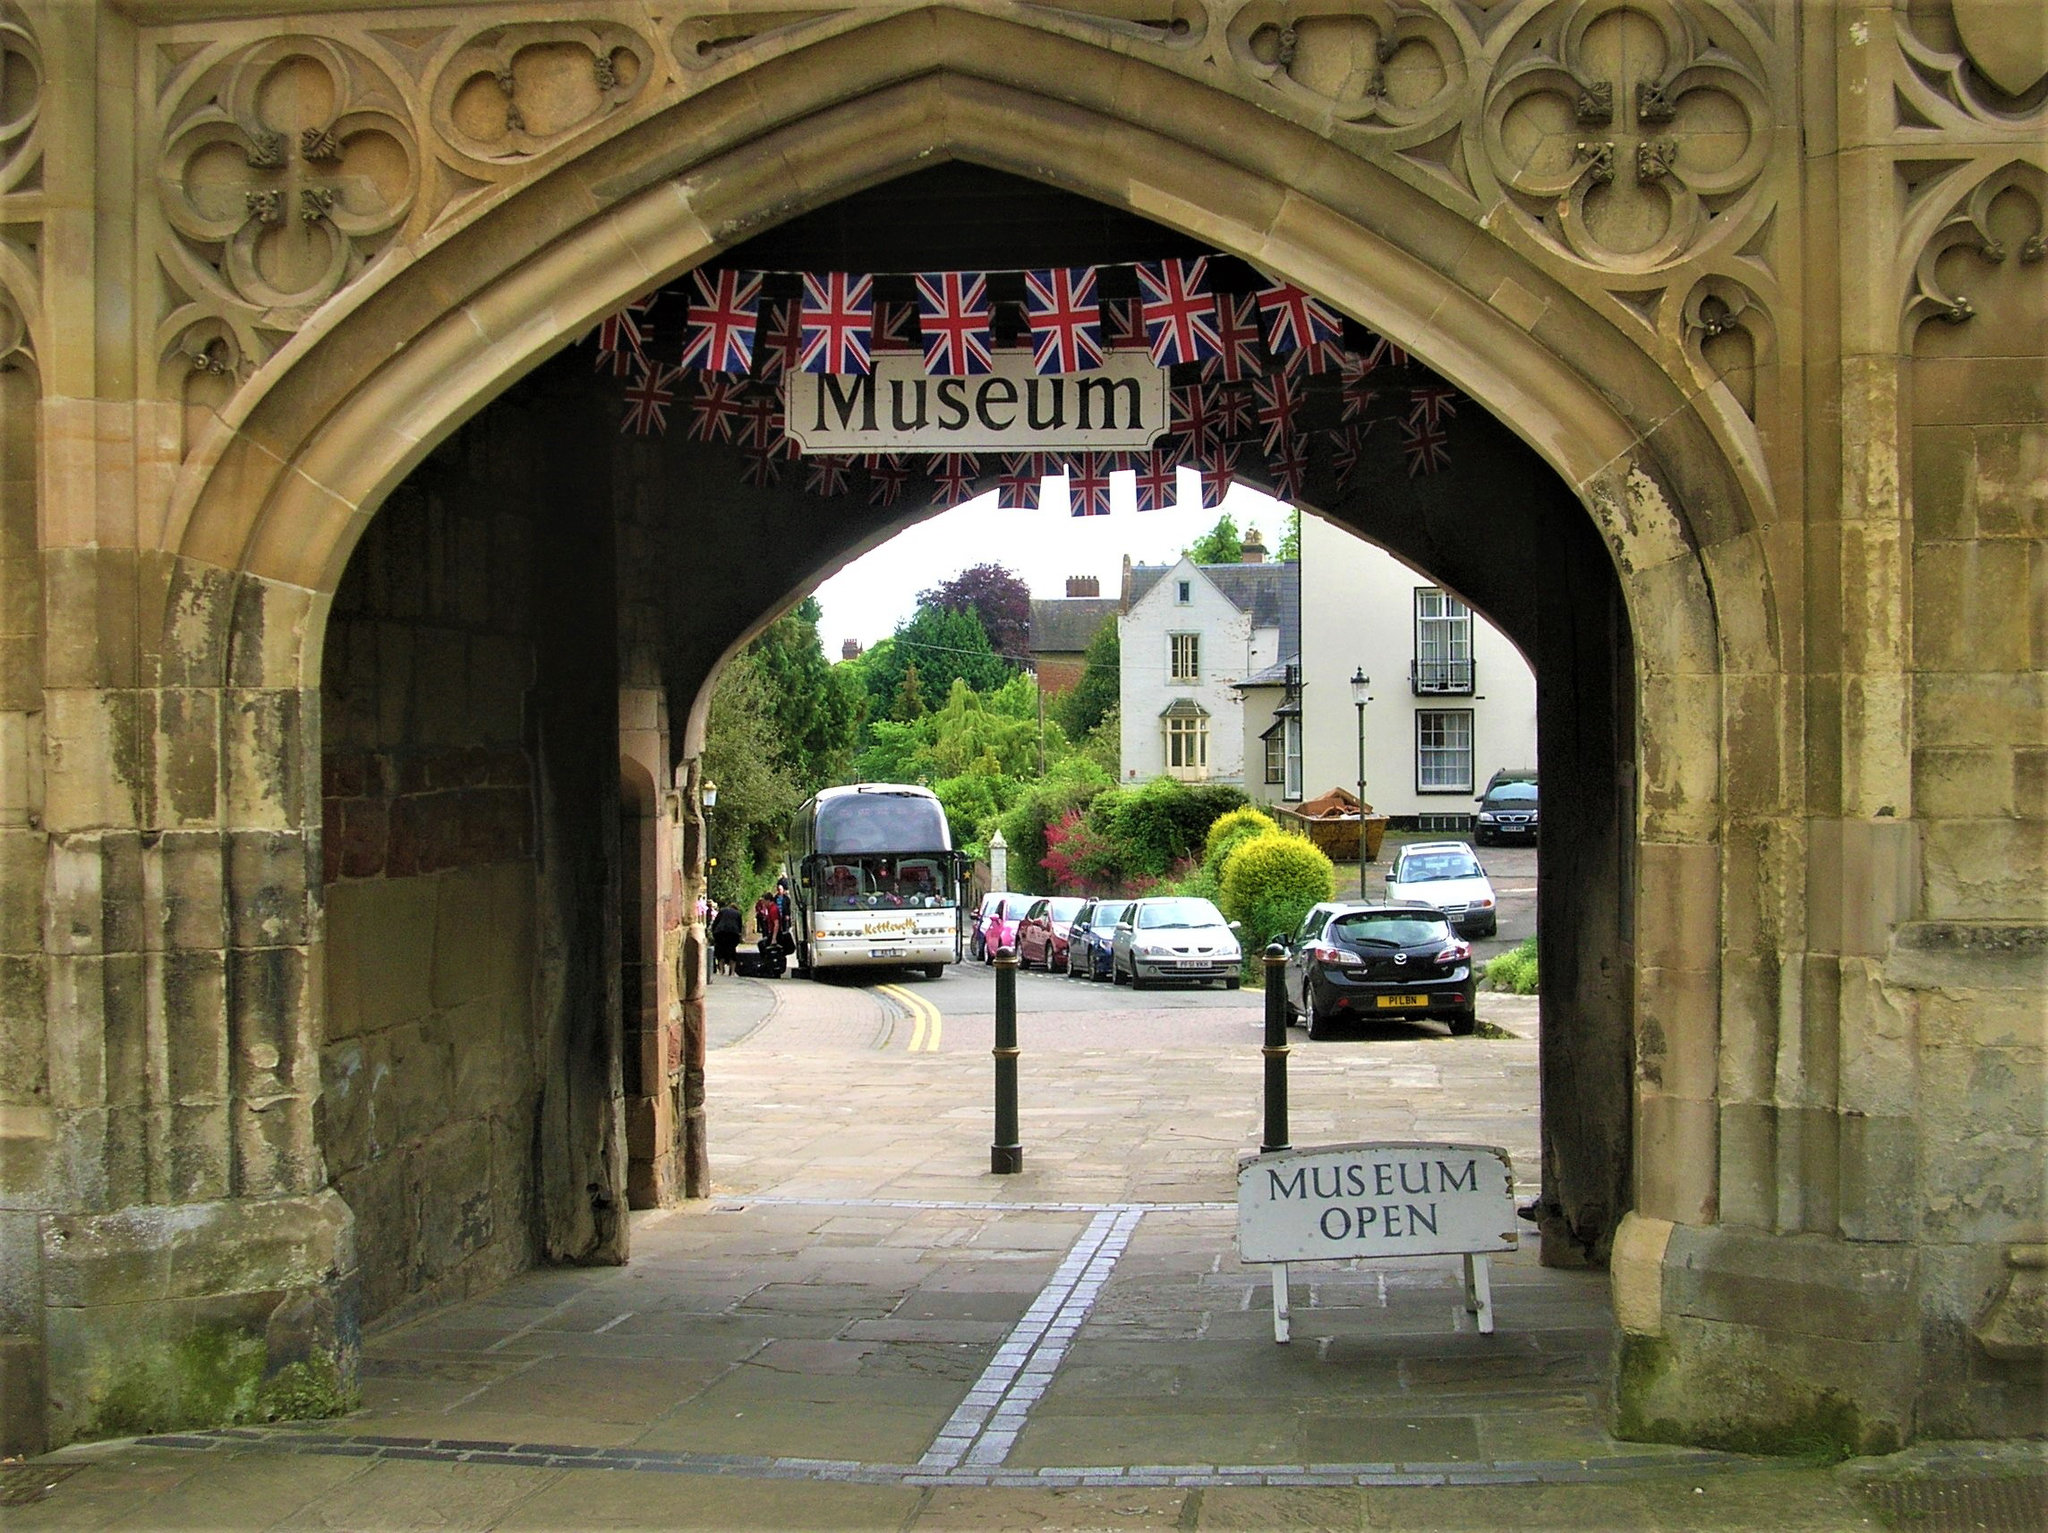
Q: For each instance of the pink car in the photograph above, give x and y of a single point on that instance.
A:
(996, 927)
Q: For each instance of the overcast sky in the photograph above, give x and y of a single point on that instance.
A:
(868, 598)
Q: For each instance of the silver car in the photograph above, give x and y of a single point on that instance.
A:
(1446, 876)
(1174, 937)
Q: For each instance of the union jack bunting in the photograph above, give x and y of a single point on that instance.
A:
(1219, 473)
(1158, 481)
(1018, 484)
(1192, 414)
(782, 340)
(1427, 447)
(1088, 484)
(954, 474)
(1123, 324)
(887, 474)
(1384, 353)
(952, 314)
(895, 326)
(719, 335)
(1289, 467)
(838, 316)
(1180, 316)
(1353, 392)
(1348, 443)
(1279, 402)
(1430, 403)
(622, 338)
(1237, 336)
(1065, 318)
(1234, 414)
(762, 468)
(648, 398)
(757, 422)
(1297, 322)
(713, 410)
(827, 475)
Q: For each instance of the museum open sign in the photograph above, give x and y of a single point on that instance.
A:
(1331, 1202)
(900, 408)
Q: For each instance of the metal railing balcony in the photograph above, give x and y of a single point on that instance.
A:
(1441, 678)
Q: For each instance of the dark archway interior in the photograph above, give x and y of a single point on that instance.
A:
(483, 1060)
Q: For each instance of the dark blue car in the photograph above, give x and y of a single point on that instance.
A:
(1088, 939)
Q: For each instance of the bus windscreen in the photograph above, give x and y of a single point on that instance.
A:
(853, 823)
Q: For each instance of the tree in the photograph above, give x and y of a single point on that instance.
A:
(1221, 544)
(1096, 693)
(909, 702)
(756, 792)
(817, 706)
(1290, 542)
(995, 595)
(944, 645)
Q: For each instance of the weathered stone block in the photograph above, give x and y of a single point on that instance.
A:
(1880, 1164)
(1954, 784)
(1795, 1285)
(1986, 870)
(456, 1214)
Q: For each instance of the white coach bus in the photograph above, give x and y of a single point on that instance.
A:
(874, 880)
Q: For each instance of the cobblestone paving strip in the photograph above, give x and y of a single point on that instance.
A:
(738, 1201)
(285, 1439)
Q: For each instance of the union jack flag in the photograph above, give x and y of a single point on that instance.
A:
(1289, 467)
(954, 473)
(759, 422)
(952, 314)
(719, 335)
(782, 340)
(1384, 353)
(1234, 415)
(1237, 335)
(1430, 403)
(1088, 484)
(1018, 484)
(1349, 445)
(762, 469)
(648, 398)
(1158, 482)
(895, 326)
(1356, 396)
(712, 411)
(1279, 402)
(1180, 316)
(887, 474)
(1297, 322)
(838, 316)
(1065, 318)
(827, 476)
(1428, 448)
(622, 338)
(1123, 324)
(1219, 473)
(1192, 414)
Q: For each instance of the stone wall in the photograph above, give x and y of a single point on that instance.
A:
(428, 1065)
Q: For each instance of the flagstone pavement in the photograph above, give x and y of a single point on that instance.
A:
(866, 1330)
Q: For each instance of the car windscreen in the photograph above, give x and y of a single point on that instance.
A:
(1156, 915)
(881, 822)
(1106, 916)
(1435, 865)
(884, 883)
(1511, 793)
(1381, 928)
(1063, 909)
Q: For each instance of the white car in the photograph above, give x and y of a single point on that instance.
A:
(1174, 937)
(1446, 876)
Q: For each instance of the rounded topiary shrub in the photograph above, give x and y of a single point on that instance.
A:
(1226, 831)
(1269, 882)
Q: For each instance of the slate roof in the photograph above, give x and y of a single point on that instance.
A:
(1271, 593)
(1067, 624)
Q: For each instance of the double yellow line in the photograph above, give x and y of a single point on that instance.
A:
(924, 1018)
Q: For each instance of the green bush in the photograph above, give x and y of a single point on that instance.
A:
(1269, 882)
(1068, 786)
(1514, 972)
(1152, 828)
(1224, 833)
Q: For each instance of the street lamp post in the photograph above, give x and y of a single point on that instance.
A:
(1360, 694)
(708, 795)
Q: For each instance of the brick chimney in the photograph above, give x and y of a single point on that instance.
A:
(849, 649)
(1254, 548)
(1084, 585)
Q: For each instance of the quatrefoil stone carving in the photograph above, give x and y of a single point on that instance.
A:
(1622, 133)
(291, 167)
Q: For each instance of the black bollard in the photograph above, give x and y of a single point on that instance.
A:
(1275, 1050)
(1006, 1155)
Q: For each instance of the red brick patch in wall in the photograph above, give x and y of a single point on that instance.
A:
(396, 814)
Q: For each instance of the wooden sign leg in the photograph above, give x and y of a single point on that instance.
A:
(1479, 1291)
(1280, 1316)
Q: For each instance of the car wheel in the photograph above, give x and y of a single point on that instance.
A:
(1138, 981)
(1319, 1021)
(1235, 982)
(1116, 975)
(1464, 1024)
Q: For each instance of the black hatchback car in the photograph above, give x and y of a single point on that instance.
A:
(1353, 960)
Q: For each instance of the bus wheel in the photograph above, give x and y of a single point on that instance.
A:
(934, 971)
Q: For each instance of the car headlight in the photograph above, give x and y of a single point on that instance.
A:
(1484, 902)
(1486, 817)
(1150, 949)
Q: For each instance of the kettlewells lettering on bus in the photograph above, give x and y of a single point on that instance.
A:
(899, 408)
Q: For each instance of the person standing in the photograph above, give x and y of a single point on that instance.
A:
(768, 920)
(786, 931)
(727, 927)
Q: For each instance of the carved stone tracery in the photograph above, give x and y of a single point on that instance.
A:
(21, 100)
(512, 91)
